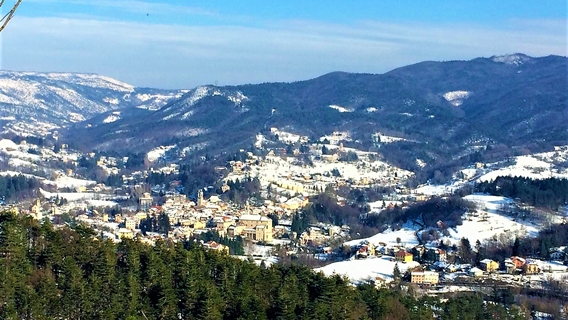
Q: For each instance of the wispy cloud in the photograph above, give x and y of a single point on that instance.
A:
(135, 6)
(165, 55)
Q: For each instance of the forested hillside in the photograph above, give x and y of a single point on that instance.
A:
(547, 193)
(70, 274)
(14, 186)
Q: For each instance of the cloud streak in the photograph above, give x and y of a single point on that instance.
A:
(134, 6)
(180, 56)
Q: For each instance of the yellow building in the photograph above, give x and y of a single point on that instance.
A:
(531, 268)
(140, 215)
(130, 224)
(424, 277)
(255, 227)
(489, 265)
(403, 256)
(124, 233)
(295, 203)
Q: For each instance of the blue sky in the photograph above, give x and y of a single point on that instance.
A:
(182, 44)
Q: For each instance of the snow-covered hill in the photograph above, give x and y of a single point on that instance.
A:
(32, 103)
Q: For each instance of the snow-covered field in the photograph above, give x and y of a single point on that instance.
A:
(406, 236)
(387, 139)
(365, 269)
(487, 224)
(101, 203)
(68, 182)
(536, 166)
(438, 190)
(72, 196)
(377, 206)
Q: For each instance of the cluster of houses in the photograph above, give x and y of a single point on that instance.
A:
(430, 272)
(188, 219)
(289, 178)
(194, 218)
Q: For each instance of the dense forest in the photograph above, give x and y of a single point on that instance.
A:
(70, 274)
(546, 193)
(17, 186)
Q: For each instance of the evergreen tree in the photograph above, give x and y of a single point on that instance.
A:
(396, 274)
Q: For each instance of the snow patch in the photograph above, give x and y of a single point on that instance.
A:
(68, 182)
(112, 117)
(367, 269)
(113, 101)
(456, 98)
(158, 152)
(420, 163)
(406, 236)
(386, 139)
(340, 108)
(512, 59)
(75, 117)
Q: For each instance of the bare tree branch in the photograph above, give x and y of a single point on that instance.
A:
(5, 19)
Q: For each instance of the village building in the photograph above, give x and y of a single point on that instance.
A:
(124, 233)
(530, 267)
(403, 256)
(489, 265)
(424, 277)
(130, 224)
(254, 227)
(441, 255)
(518, 262)
(145, 202)
(212, 245)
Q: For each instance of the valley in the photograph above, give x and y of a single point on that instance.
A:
(386, 180)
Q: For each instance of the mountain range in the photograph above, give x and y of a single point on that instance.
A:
(32, 101)
(443, 110)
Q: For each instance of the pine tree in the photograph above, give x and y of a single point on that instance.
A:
(396, 274)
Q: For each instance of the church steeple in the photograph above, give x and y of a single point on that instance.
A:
(200, 198)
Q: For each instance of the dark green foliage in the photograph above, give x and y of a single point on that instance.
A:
(242, 190)
(195, 176)
(428, 213)
(324, 208)
(87, 162)
(13, 186)
(547, 193)
(300, 222)
(155, 178)
(114, 180)
(160, 224)
(135, 161)
(235, 245)
(63, 274)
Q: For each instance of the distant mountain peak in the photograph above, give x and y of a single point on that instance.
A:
(183, 108)
(513, 59)
(61, 98)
